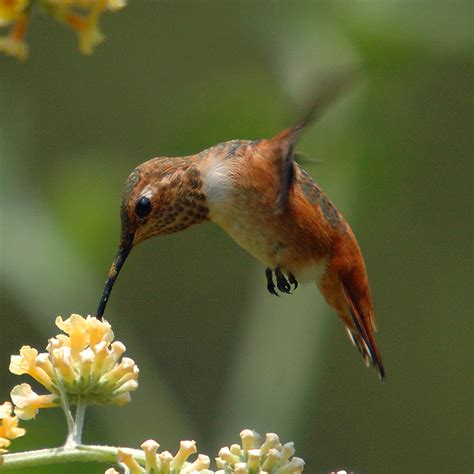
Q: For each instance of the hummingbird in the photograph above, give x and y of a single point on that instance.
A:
(256, 191)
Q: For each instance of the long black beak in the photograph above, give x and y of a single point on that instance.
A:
(126, 245)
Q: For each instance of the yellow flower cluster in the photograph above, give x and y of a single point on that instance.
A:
(253, 457)
(165, 462)
(257, 457)
(83, 364)
(82, 16)
(11, 10)
(8, 427)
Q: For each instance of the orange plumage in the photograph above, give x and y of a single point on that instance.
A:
(305, 237)
(270, 206)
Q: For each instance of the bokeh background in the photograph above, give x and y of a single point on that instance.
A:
(217, 353)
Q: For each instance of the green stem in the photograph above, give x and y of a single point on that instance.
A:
(79, 421)
(71, 425)
(74, 437)
(80, 453)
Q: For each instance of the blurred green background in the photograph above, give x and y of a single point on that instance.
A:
(217, 353)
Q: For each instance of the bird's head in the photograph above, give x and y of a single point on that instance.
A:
(160, 197)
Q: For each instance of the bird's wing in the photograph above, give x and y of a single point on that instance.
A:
(284, 142)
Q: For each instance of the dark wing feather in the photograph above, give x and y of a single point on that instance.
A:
(285, 141)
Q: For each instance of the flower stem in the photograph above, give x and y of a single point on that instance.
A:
(71, 425)
(79, 422)
(80, 453)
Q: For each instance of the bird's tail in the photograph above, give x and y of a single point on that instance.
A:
(346, 289)
(361, 333)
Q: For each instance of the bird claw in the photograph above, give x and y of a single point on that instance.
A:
(283, 284)
(270, 283)
(292, 280)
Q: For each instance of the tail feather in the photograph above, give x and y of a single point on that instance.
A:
(364, 338)
(349, 295)
(359, 345)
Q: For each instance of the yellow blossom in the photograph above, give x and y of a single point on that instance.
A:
(89, 37)
(164, 462)
(255, 456)
(115, 5)
(112, 5)
(14, 43)
(82, 16)
(186, 448)
(201, 464)
(27, 402)
(86, 27)
(13, 47)
(126, 458)
(84, 363)
(8, 426)
(26, 363)
(11, 10)
(150, 447)
(83, 332)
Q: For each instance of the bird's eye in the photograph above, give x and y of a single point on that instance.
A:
(143, 207)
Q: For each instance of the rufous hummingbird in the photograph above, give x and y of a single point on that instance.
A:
(257, 192)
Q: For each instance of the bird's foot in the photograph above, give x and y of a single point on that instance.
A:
(270, 283)
(292, 280)
(283, 284)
